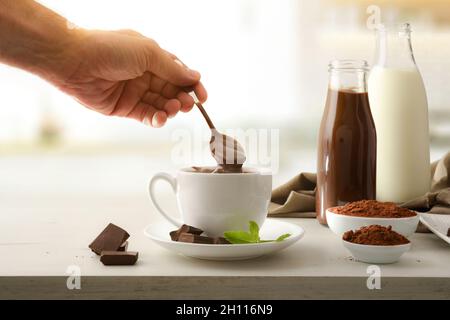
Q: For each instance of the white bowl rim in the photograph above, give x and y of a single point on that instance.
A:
(328, 211)
(397, 246)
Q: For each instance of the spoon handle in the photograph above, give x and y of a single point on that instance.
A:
(205, 115)
(202, 110)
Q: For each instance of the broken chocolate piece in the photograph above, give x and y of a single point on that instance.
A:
(174, 235)
(448, 232)
(193, 238)
(190, 229)
(123, 247)
(116, 258)
(221, 240)
(191, 234)
(110, 239)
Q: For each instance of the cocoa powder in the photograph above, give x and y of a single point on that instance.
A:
(373, 209)
(375, 235)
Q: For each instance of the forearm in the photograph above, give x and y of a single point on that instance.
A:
(35, 38)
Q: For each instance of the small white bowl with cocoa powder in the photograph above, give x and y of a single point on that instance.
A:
(362, 213)
(376, 244)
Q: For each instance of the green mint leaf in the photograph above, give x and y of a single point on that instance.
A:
(244, 237)
(239, 237)
(254, 230)
(283, 237)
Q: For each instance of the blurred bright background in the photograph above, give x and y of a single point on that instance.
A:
(264, 63)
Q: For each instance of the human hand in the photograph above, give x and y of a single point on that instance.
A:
(122, 73)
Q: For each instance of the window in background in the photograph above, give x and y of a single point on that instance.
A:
(245, 50)
(264, 63)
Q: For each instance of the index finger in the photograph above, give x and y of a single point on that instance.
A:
(200, 92)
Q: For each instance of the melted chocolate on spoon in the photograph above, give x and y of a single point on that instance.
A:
(227, 151)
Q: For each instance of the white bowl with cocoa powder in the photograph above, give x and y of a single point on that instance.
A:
(376, 244)
(402, 220)
(376, 254)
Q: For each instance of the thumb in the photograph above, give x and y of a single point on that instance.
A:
(168, 67)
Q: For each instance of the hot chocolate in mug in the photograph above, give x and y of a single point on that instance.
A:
(217, 202)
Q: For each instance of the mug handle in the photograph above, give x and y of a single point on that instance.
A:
(151, 188)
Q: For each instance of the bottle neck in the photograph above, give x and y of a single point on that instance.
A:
(348, 75)
(394, 49)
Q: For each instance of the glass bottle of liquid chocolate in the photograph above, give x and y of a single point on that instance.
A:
(347, 146)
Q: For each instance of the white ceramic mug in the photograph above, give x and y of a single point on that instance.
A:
(217, 202)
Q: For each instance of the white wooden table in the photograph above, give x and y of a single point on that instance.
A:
(36, 254)
(50, 210)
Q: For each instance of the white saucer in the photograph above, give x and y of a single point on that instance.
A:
(437, 223)
(271, 229)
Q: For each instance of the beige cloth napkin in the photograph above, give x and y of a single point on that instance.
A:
(296, 198)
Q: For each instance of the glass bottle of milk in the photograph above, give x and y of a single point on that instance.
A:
(400, 110)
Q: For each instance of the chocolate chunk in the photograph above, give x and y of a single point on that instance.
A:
(116, 258)
(221, 240)
(110, 239)
(189, 229)
(174, 235)
(448, 232)
(123, 247)
(193, 238)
